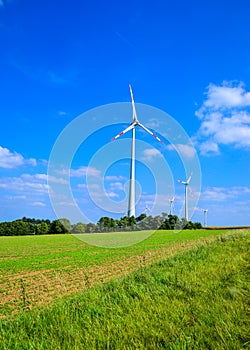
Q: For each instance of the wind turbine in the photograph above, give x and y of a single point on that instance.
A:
(171, 202)
(186, 183)
(205, 216)
(132, 126)
(147, 210)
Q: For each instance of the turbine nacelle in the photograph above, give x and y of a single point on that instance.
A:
(187, 181)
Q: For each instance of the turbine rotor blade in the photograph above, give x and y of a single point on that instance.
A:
(131, 126)
(188, 180)
(182, 182)
(190, 192)
(150, 132)
(133, 103)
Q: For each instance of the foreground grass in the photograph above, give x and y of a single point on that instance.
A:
(195, 300)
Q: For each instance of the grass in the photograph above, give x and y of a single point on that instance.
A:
(35, 270)
(197, 299)
(32, 253)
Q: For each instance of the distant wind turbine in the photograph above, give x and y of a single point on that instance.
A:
(171, 202)
(205, 216)
(186, 183)
(147, 210)
(135, 122)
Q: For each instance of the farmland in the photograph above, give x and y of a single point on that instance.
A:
(51, 274)
(38, 269)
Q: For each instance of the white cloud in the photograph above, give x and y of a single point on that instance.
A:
(10, 198)
(209, 147)
(83, 171)
(116, 186)
(10, 160)
(115, 178)
(80, 172)
(153, 123)
(225, 118)
(151, 153)
(62, 113)
(28, 184)
(112, 194)
(96, 186)
(38, 204)
(187, 151)
(45, 177)
(223, 193)
(228, 95)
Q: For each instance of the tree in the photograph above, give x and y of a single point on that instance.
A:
(66, 223)
(6, 229)
(79, 228)
(197, 225)
(106, 224)
(90, 228)
(141, 217)
(174, 222)
(57, 227)
(158, 220)
(20, 227)
(42, 228)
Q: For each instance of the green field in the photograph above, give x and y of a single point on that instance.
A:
(188, 289)
(38, 269)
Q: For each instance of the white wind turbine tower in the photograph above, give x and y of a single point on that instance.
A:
(205, 216)
(171, 202)
(186, 183)
(135, 122)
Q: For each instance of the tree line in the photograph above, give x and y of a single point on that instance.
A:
(142, 222)
(28, 226)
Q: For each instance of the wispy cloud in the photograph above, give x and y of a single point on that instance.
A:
(45, 177)
(225, 118)
(89, 186)
(115, 178)
(80, 172)
(25, 184)
(150, 154)
(85, 170)
(116, 186)
(62, 113)
(223, 193)
(55, 78)
(38, 204)
(49, 76)
(112, 194)
(10, 160)
(187, 151)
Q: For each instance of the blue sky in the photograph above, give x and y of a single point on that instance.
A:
(190, 59)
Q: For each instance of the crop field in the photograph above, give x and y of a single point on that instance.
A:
(35, 270)
(174, 290)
